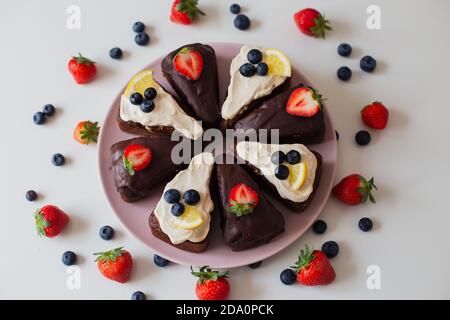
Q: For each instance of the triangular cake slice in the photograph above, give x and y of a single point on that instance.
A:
(248, 219)
(146, 108)
(134, 185)
(248, 87)
(290, 172)
(183, 214)
(296, 113)
(191, 70)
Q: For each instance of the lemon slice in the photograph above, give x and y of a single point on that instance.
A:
(140, 82)
(190, 219)
(297, 174)
(277, 62)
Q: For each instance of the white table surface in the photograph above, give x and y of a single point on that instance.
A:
(409, 159)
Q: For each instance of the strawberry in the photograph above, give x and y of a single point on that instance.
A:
(86, 132)
(185, 11)
(312, 23)
(50, 221)
(242, 199)
(115, 264)
(313, 268)
(304, 102)
(189, 62)
(375, 115)
(211, 285)
(354, 189)
(136, 157)
(82, 69)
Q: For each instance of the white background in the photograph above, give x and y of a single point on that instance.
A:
(409, 160)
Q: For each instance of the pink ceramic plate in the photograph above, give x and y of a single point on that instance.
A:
(135, 215)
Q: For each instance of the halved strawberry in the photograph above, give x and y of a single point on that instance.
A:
(86, 132)
(189, 62)
(242, 199)
(136, 157)
(304, 102)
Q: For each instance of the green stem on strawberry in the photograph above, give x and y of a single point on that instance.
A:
(110, 255)
(240, 209)
(366, 189)
(128, 165)
(83, 60)
(304, 259)
(41, 223)
(206, 273)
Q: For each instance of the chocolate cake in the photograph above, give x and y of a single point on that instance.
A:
(292, 129)
(201, 95)
(248, 230)
(161, 169)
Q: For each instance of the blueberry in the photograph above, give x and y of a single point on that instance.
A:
(31, 195)
(288, 276)
(69, 258)
(138, 26)
(235, 8)
(319, 226)
(330, 248)
(282, 172)
(39, 118)
(48, 110)
(115, 53)
(177, 209)
(242, 22)
(337, 134)
(142, 38)
(58, 159)
(191, 197)
(278, 157)
(160, 261)
(254, 56)
(368, 63)
(362, 137)
(172, 196)
(293, 157)
(136, 98)
(138, 295)
(106, 233)
(344, 73)
(147, 106)
(255, 265)
(262, 69)
(365, 224)
(344, 49)
(247, 70)
(150, 93)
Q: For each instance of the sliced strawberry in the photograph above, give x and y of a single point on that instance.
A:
(304, 102)
(242, 199)
(189, 62)
(136, 157)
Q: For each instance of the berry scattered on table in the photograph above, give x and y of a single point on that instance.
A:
(185, 11)
(211, 285)
(344, 73)
(242, 22)
(354, 189)
(142, 39)
(191, 197)
(312, 23)
(69, 258)
(82, 69)
(86, 132)
(48, 110)
(138, 295)
(365, 224)
(115, 53)
(288, 276)
(31, 195)
(337, 134)
(319, 226)
(362, 138)
(115, 264)
(160, 261)
(106, 233)
(368, 64)
(255, 265)
(235, 8)
(331, 249)
(375, 115)
(138, 26)
(39, 118)
(50, 221)
(58, 159)
(344, 49)
(313, 268)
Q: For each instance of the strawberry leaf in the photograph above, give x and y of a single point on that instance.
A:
(109, 255)
(206, 273)
(83, 60)
(240, 209)
(90, 132)
(128, 165)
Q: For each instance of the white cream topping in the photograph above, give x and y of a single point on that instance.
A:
(243, 90)
(196, 176)
(259, 154)
(167, 112)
